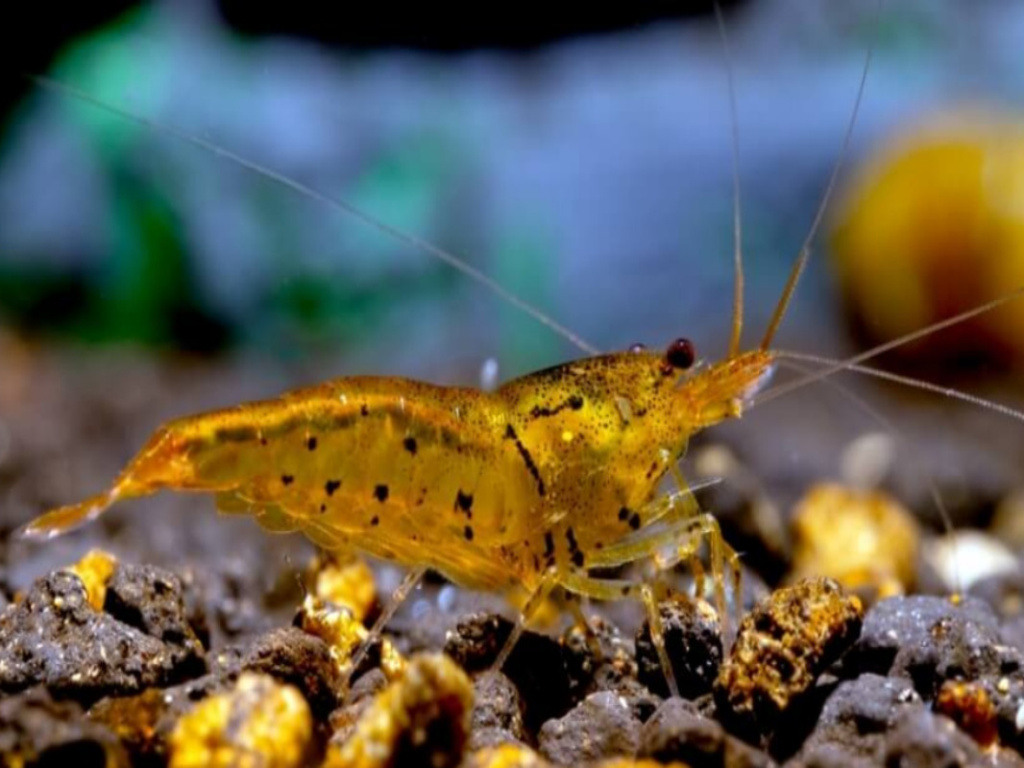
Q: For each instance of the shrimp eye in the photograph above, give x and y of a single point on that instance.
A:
(681, 354)
(637, 348)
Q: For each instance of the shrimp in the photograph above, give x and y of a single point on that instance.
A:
(530, 487)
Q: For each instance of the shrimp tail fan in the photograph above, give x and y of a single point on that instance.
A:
(63, 519)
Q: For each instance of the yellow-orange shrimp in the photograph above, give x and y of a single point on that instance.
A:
(528, 486)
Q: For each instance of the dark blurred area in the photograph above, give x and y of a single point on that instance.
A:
(453, 29)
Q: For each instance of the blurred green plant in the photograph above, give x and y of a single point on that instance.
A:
(322, 282)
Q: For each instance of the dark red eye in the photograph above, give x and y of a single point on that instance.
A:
(637, 348)
(681, 354)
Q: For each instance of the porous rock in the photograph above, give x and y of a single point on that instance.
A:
(36, 730)
(781, 648)
(970, 706)
(300, 659)
(601, 659)
(497, 715)
(922, 739)
(144, 722)
(600, 726)
(422, 718)
(930, 640)
(258, 721)
(536, 664)
(678, 732)
(693, 642)
(855, 720)
(989, 709)
(54, 637)
(152, 600)
(342, 721)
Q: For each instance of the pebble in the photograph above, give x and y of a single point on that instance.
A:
(611, 666)
(600, 726)
(302, 660)
(505, 756)
(144, 722)
(930, 639)
(342, 721)
(53, 636)
(678, 732)
(344, 581)
(258, 722)
(864, 539)
(965, 557)
(35, 730)
(537, 664)
(153, 600)
(780, 649)
(969, 705)
(853, 724)
(693, 641)
(422, 718)
(923, 739)
(344, 634)
(95, 569)
(497, 715)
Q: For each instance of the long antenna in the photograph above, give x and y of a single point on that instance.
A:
(906, 381)
(737, 228)
(336, 204)
(890, 427)
(805, 249)
(907, 338)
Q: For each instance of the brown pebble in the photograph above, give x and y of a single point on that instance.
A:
(36, 731)
(95, 569)
(781, 647)
(969, 705)
(420, 719)
(258, 722)
(601, 726)
(865, 540)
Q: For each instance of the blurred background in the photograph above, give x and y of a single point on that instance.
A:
(585, 165)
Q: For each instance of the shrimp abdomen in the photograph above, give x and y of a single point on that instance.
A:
(355, 459)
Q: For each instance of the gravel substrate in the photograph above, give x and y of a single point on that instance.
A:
(204, 641)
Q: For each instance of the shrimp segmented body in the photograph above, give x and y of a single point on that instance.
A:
(527, 486)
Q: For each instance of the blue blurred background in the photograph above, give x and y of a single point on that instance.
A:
(586, 169)
(585, 166)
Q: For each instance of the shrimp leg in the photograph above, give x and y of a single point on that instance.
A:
(616, 589)
(533, 602)
(593, 644)
(401, 592)
(681, 513)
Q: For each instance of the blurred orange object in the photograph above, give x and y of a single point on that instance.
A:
(933, 225)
